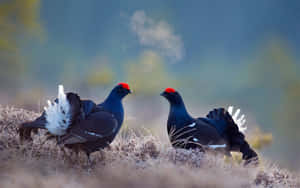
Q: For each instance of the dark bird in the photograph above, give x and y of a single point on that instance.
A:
(81, 123)
(217, 130)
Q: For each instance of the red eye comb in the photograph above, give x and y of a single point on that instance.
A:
(124, 85)
(170, 90)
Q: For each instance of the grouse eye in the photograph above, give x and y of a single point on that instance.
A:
(120, 90)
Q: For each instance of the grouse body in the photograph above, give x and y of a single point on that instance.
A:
(216, 130)
(82, 124)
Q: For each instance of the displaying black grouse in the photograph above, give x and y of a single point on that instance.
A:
(81, 123)
(217, 130)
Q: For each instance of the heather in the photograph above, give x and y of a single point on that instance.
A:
(136, 158)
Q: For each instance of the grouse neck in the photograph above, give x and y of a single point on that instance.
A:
(179, 113)
(113, 103)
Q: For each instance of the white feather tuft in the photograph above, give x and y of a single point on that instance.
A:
(211, 146)
(217, 146)
(240, 121)
(58, 114)
(192, 125)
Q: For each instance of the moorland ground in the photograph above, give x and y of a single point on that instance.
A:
(135, 159)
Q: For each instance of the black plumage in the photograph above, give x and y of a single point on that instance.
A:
(217, 130)
(92, 127)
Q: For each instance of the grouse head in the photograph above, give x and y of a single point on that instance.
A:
(121, 90)
(172, 96)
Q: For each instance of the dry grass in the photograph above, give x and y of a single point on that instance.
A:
(134, 160)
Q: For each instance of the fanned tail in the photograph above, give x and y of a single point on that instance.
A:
(58, 114)
(238, 141)
(232, 125)
(239, 120)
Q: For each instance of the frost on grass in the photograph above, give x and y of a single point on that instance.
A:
(135, 159)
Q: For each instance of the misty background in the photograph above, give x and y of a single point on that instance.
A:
(215, 53)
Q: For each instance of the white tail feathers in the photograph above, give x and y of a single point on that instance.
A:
(240, 121)
(58, 114)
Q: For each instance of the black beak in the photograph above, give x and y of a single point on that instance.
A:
(129, 91)
(162, 94)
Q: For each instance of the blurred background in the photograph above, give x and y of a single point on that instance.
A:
(216, 53)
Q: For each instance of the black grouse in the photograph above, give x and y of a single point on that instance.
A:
(81, 124)
(217, 130)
